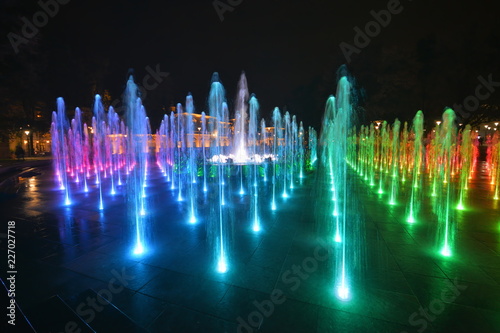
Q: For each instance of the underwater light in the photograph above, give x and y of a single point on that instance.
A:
(222, 265)
(139, 249)
(343, 292)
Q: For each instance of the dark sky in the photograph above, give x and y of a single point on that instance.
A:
(288, 49)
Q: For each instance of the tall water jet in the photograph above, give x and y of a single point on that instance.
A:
(263, 138)
(286, 155)
(218, 110)
(334, 141)
(466, 157)
(403, 165)
(86, 157)
(239, 141)
(494, 151)
(313, 147)
(329, 158)
(98, 143)
(300, 146)
(60, 147)
(414, 203)
(191, 163)
(179, 151)
(137, 142)
(292, 143)
(384, 143)
(394, 162)
(252, 142)
(276, 139)
(173, 149)
(446, 215)
(203, 144)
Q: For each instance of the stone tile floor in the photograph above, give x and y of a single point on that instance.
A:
(403, 284)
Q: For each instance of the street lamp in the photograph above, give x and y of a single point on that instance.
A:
(438, 122)
(27, 132)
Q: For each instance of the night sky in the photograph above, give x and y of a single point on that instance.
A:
(429, 56)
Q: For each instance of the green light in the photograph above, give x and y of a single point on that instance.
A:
(460, 206)
(446, 251)
(410, 219)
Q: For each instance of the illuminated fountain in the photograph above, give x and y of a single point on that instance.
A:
(219, 111)
(415, 199)
(440, 166)
(341, 211)
(207, 161)
(444, 210)
(200, 156)
(60, 148)
(240, 154)
(137, 157)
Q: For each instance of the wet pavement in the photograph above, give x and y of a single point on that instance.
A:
(76, 271)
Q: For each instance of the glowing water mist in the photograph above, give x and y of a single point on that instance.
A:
(60, 147)
(138, 153)
(240, 146)
(334, 139)
(414, 203)
(445, 212)
(218, 110)
(252, 140)
(276, 138)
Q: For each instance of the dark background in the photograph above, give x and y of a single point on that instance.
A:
(428, 57)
